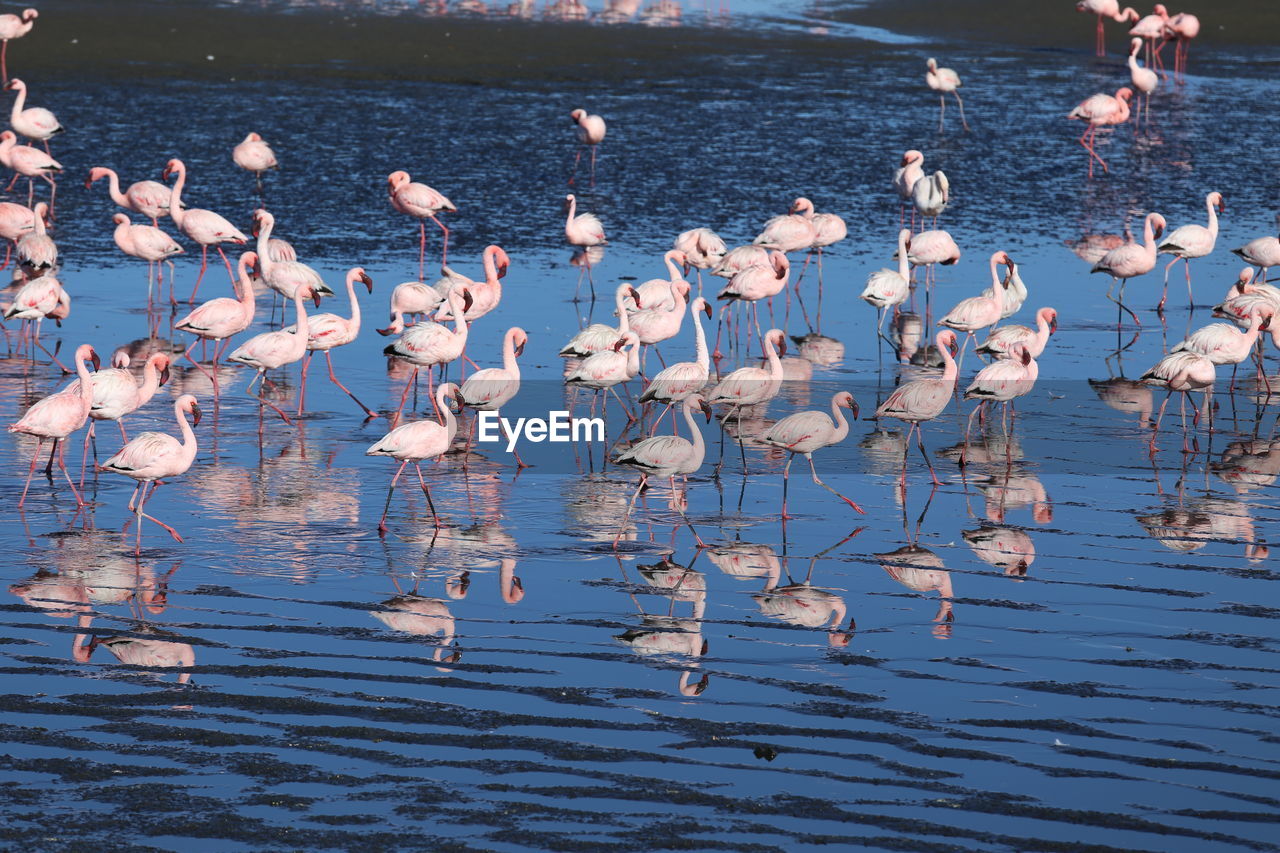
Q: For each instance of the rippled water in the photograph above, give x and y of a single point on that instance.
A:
(1064, 647)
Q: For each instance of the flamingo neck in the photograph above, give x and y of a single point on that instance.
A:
(456, 304)
(123, 237)
(265, 227)
(700, 354)
(573, 208)
(37, 221)
(355, 305)
(673, 270)
(633, 359)
(1148, 238)
(188, 436)
(949, 369)
(490, 265)
(1213, 219)
(18, 103)
(176, 213)
(904, 266)
(1042, 330)
(624, 316)
(302, 332)
(245, 292)
(447, 420)
(113, 189)
(997, 286)
(150, 383)
(699, 447)
(509, 362)
(842, 425)
(775, 364)
(86, 382)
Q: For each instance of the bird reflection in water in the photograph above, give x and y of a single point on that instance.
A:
(1008, 549)
(423, 616)
(1185, 525)
(669, 635)
(804, 605)
(921, 570)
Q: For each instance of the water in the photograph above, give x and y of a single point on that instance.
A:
(1098, 678)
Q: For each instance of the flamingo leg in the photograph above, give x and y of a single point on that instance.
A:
(333, 377)
(631, 505)
(1164, 294)
(856, 508)
(960, 103)
(204, 265)
(942, 110)
(302, 387)
(422, 249)
(434, 517)
(265, 402)
(576, 159)
(680, 509)
(382, 522)
(35, 458)
(786, 479)
(1191, 299)
(920, 442)
(444, 254)
(405, 396)
(141, 515)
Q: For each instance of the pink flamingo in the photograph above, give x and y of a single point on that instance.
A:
(490, 389)
(888, 288)
(203, 226)
(56, 417)
(930, 196)
(753, 284)
(1015, 292)
(805, 432)
(1003, 380)
(149, 198)
(429, 344)
(829, 229)
(1000, 342)
(904, 181)
(590, 130)
(703, 250)
(1105, 9)
(932, 247)
(750, 386)
(29, 163)
(1150, 28)
(585, 231)
(807, 606)
(148, 652)
(422, 203)
(599, 337)
(1132, 259)
(790, 232)
(924, 399)
(415, 442)
(284, 277)
(602, 371)
(1144, 79)
(1184, 372)
(254, 155)
(942, 81)
(1182, 29)
(326, 331)
(1262, 253)
(665, 456)
(979, 312)
(13, 27)
(1223, 343)
(1097, 111)
(271, 350)
(485, 295)
(658, 292)
(676, 383)
(156, 455)
(34, 122)
(15, 221)
(39, 298)
(116, 394)
(655, 325)
(221, 318)
(1247, 295)
(1191, 241)
(36, 252)
(150, 244)
(739, 259)
(411, 299)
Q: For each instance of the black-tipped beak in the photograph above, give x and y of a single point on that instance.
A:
(853, 404)
(315, 297)
(368, 282)
(467, 301)
(617, 347)
(502, 269)
(387, 332)
(706, 410)
(520, 347)
(1053, 326)
(782, 347)
(93, 356)
(164, 375)
(195, 414)
(635, 294)
(706, 307)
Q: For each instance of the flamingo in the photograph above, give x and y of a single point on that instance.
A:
(490, 389)
(979, 312)
(665, 456)
(116, 394)
(326, 331)
(656, 292)
(924, 399)
(30, 163)
(590, 130)
(887, 288)
(424, 617)
(410, 299)
(750, 386)
(930, 196)
(149, 652)
(1191, 241)
(149, 198)
(39, 298)
(808, 606)
(14, 27)
(739, 259)
(678, 382)
(1183, 371)
(1247, 295)
(221, 318)
(422, 203)
(829, 229)
(485, 295)
(805, 432)
(585, 231)
(1223, 343)
(271, 350)
(1144, 79)
(601, 371)
(155, 455)
(1000, 342)
(429, 344)
(34, 122)
(1150, 28)
(15, 221)
(790, 232)
(942, 81)
(36, 252)
(148, 243)
(655, 325)
(1181, 28)
(1132, 259)
(1015, 292)
(254, 155)
(1106, 9)
(904, 181)
(1262, 253)
(932, 247)
(753, 284)
(703, 250)
(1003, 380)
(599, 337)
(284, 277)
(1099, 110)
(415, 442)
(203, 226)
(56, 417)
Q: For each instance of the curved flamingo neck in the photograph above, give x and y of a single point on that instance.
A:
(1148, 239)
(633, 358)
(842, 425)
(997, 286)
(491, 265)
(904, 266)
(113, 188)
(188, 436)
(37, 221)
(509, 362)
(624, 316)
(124, 236)
(354, 322)
(303, 330)
(699, 447)
(1213, 218)
(86, 382)
(700, 353)
(506, 581)
(266, 225)
(176, 212)
(456, 303)
(573, 208)
(1042, 331)
(673, 269)
(18, 103)
(447, 420)
(775, 364)
(949, 369)
(244, 291)
(150, 382)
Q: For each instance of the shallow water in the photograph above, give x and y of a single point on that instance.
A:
(1098, 678)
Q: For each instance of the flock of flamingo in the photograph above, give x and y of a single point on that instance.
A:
(431, 322)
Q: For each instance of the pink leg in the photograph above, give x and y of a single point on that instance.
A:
(4, 67)
(204, 264)
(593, 166)
(403, 397)
(576, 159)
(334, 378)
(67, 474)
(444, 253)
(230, 272)
(382, 522)
(422, 250)
(430, 503)
(302, 388)
(141, 515)
(31, 472)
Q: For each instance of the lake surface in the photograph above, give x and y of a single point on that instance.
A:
(1065, 646)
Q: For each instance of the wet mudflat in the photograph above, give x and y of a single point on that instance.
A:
(1065, 646)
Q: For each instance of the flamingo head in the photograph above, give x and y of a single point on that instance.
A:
(520, 338)
(702, 305)
(683, 288)
(188, 404)
(933, 64)
(30, 14)
(1130, 14)
(161, 362)
(463, 293)
(1216, 199)
(396, 180)
(840, 639)
(500, 260)
(680, 258)
(1160, 10)
(779, 341)
(306, 291)
(912, 156)
(450, 391)
(1243, 280)
(1124, 94)
(84, 352)
(578, 115)
(845, 400)
(781, 266)
(14, 83)
(358, 274)
(96, 173)
(1003, 258)
(634, 294)
(1051, 317)
(173, 167)
(1135, 45)
(458, 586)
(629, 339)
(801, 205)
(253, 137)
(570, 199)
(1157, 223)
(262, 218)
(947, 338)
(697, 401)
(120, 219)
(8, 136)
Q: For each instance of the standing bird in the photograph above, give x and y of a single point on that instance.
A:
(930, 196)
(1003, 380)
(754, 283)
(887, 288)
(942, 81)
(283, 276)
(1000, 342)
(805, 432)
(415, 442)
(15, 221)
(36, 252)
(271, 350)
(1185, 372)
(326, 331)
(39, 298)
(583, 230)
(1132, 259)
(221, 318)
(254, 155)
(149, 198)
(599, 337)
(34, 122)
(703, 250)
(1262, 253)
(29, 163)
(203, 226)
(1105, 9)
(490, 389)
(979, 312)
(150, 244)
(155, 455)
(1150, 28)
(116, 394)
(929, 248)
(829, 229)
(681, 380)
(429, 344)
(56, 417)
(1191, 241)
(1144, 79)
(411, 299)
(1097, 111)
(422, 203)
(790, 232)
(666, 456)
(924, 399)
(750, 386)
(660, 292)
(904, 181)
(13, 27)
(1181, 29)
(1223, 343)
(590, 130)
(486, 294)
(601, 371)
(738, 259)
(655, 325)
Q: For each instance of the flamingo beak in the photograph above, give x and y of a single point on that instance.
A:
(782, 347)
(387, 332)
(88, 182)
(164, 375)
(195, 414)
(635, 294)
(467, 301)
(1053, 325)
(164, 175)
(617, 347)
(853, 404)
(93, 356)
(706, 308)
(520, 347)
(368, 282)
(502, 269)
(315, 297)
(706, 410)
